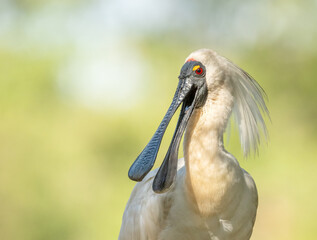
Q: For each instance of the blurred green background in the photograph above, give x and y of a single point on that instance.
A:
(84, 84)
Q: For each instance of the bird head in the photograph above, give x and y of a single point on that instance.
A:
(202, 74)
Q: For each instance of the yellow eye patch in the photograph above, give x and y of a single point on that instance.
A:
(196, 67)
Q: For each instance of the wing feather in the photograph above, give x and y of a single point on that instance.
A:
(146, 211)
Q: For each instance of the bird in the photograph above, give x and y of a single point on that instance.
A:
(205, 194)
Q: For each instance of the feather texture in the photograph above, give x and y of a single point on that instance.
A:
(249, 105)
(213, 197)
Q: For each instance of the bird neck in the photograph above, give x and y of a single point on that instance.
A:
(203, 149)
(204, 133)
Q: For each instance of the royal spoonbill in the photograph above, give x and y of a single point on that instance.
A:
(205, 195)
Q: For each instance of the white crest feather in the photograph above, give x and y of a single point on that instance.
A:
(249, 104)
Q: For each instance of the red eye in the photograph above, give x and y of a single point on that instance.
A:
(199, 71)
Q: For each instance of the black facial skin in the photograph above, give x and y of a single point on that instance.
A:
(192, 91)
(199, 81)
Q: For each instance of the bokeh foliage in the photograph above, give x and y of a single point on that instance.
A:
(63, 165)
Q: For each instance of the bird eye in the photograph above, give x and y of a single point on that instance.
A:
(199, 71)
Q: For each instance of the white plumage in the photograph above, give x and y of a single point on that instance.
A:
(213, 197)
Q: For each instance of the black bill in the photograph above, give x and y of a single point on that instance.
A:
(167, 172)
(192, 91)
